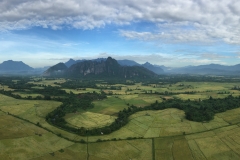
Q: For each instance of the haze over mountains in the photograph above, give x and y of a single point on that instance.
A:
(100, 68)
(18, 67)
(14, 66)
(155, 68)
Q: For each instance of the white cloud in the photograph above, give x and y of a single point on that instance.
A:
(178, 32)
(213, 56)
(238, 54)
(211, 20)
(153, 58)
(196, 62)
(172, 60)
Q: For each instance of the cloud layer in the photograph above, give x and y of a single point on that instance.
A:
(178, 21)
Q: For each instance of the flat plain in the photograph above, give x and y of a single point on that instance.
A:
(162, 134)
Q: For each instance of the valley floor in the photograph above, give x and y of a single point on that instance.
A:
(149, 135)
(218, 139)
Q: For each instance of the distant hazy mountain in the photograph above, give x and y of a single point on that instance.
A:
(70, 62)
(57, 69)
(155, 68)
(121, 62)
(211, 69)
(42, 68)
(165, 69)
(125, 67)
(214, 69)
(126, 62)
(101, 68)
(14, 66)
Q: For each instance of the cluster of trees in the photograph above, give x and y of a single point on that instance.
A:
(208, 108)
(16, 82)
(169, 93)
(78, 83)
(47, 92)
(71, 104)
(17, 96)
(111, 87)
(199, 111)
(50, 91)
(236, 88)
(196, 78)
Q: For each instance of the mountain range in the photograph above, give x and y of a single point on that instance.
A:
(154, 68)
(210, 69)
(99, 68)
(14, 66)
(18, 67)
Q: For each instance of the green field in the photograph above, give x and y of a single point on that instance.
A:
(48, 82)
(24, 95)
(162, 134)
(32, 110)
(113, 104)
(23, 140)
(89, 120)
(77, 91)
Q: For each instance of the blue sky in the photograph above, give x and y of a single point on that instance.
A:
(171, 33)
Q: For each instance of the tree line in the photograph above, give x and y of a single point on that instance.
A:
(199, 111)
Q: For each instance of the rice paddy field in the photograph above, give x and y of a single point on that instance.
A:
(89, 120)
(153, 135)
(46, 82)
(24, 95)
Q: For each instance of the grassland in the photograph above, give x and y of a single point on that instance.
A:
(166, 123)
(46, 82)
(89, 120)
(126, 149)
(23, 140)
(34, 111)
(6, 88)
(147, 124)
(115, 103)
(25, 95)
(163, 134)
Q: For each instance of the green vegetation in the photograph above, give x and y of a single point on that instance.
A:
(88, 119)
(119, 119)
(124, 99)
(198, 111)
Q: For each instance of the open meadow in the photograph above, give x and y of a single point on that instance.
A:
(160, 134)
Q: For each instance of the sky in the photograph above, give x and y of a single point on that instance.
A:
(173, 33)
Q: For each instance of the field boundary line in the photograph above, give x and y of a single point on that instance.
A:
(133, 146)
(49, 130)
(138, 125)
(133, 131)
(88, 155)
(189, 147)
(200, 148)
(228, 145)
(172, 149)
(233, 140)
(48, 153)
(232, 144)
(153, 149)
